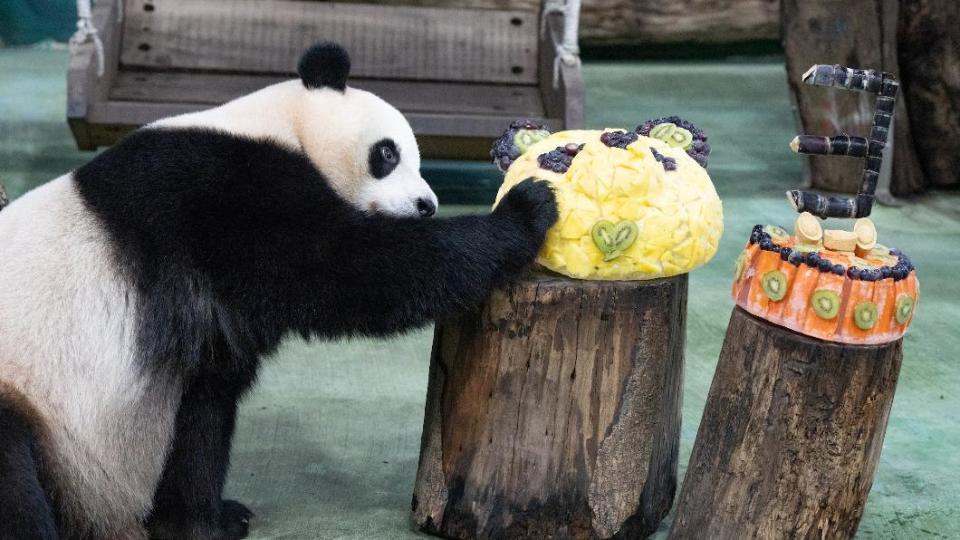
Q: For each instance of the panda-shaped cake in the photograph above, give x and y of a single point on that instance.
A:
(141, 291)
(633, 204)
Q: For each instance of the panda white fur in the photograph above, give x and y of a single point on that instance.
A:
(140, 292)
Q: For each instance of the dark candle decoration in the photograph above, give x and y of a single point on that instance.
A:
(885, 86)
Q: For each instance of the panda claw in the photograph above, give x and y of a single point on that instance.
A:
(533, 203)
(235, 520)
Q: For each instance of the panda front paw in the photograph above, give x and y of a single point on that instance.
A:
(235, 520)
(532, 205)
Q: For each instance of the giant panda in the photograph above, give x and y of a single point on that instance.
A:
(139, 293)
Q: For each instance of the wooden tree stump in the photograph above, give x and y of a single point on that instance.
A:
(855, 33)
(790, 437)
(930, 70)
(554, 412)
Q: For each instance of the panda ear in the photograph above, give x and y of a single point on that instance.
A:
(325, 64)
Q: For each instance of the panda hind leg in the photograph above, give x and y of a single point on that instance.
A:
(188, 503)
(25, 509)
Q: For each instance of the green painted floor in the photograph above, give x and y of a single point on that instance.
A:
(327, 444)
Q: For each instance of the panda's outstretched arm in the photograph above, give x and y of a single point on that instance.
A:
(391, 274)
(258, 228)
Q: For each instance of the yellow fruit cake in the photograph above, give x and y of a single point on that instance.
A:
(633, 205)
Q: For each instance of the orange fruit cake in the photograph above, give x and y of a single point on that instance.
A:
(833, 285)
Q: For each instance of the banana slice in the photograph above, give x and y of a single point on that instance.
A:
(808, 228)
(866, 233)
(839, 240)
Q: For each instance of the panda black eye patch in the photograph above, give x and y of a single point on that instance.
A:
(384, 158)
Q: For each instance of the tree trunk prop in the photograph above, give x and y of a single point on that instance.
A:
(554, 412)
(861, 33)
(930, 72)
(790, 437)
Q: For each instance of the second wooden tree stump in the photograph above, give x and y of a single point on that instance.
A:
(554, 412)
(790, 437)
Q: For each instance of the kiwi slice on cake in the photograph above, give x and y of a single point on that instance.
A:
(865, 315)
(825, 303)
(663, 131)
(903, 308)
(880, 249)
(887, 259)
(777, 233)
(680, 138)
(525, 138)
(741, 266)
(612, 239)
(808, 248)
(774, 285)
(673, 135)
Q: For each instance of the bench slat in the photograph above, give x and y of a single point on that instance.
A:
(490, 126)
(392, 42)
(408, 96)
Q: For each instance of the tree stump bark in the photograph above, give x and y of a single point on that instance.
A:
(858, 34)
(930, 71)
(554, 412)
(790, 437)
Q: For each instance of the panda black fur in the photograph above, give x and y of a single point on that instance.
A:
(141, 291)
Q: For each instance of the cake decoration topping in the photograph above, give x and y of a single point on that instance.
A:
(559, 159)
(904, 308)
(826, 303)
(885, 86)
(865, 315)
(519, 137)
(775, 285)
(678, 133)
(668, 163)
(866, 233)
(808, 229)
(839, 240)
(631, 206)
(676, 137)
(838, 145)
(618, 139)
(771, 238)
(612, 239)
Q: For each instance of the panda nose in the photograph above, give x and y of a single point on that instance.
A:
(426, 207)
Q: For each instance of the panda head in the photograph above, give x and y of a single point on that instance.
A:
(362, 144)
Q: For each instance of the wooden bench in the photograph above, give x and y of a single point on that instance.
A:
(459, 75)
